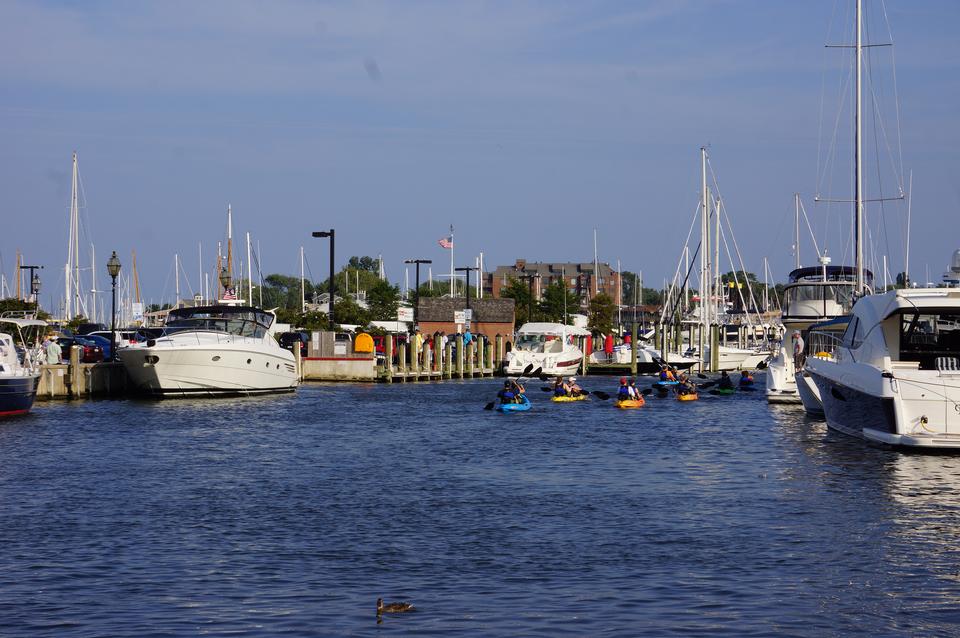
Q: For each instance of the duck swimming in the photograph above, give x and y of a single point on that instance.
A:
(393, 608)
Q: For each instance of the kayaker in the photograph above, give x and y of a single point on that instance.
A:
(666, 374)
(746, 378)
(574, 389)
(518, 391)
(686, 387)
(507, 395)
(560, 388)
(634, 393)
(726, 383)
(623, 392)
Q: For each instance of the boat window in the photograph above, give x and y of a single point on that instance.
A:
(850, 334)
(927, 336)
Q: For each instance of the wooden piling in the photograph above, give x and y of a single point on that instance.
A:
(633, 349)
(460, 354)
(388, 358)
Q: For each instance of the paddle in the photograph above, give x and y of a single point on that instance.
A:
(601, 395)
(706, 385)
(702, 376)
(489, 406)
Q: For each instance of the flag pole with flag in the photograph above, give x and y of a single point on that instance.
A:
(447, 243)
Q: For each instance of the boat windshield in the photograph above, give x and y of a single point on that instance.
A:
(818, 300)
(539, 343)
(245, 322)
(930, 337)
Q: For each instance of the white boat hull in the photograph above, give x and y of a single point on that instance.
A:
(231, 367)
(560, 364)
(781, 384)
(809, 394)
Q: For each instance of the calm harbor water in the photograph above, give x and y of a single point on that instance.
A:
(292, 514)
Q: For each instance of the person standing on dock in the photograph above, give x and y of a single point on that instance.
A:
(53, 351)
(797, 350)
(418, 346)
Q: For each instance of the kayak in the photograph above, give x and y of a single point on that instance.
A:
(631, 403)
(515, 407)
(687, 397)
(663, 385)
(568, 398)
(724, 391)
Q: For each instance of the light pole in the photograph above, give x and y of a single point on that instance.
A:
(416, 291)
(333, 284)
(467, 269)
(113, 269)
(34, 282)
(225, 281)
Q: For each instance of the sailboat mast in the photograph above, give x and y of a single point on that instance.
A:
(858, 164)
(230, 242)
(303, 287)
(176, 275)
(249, 274)
(704, 242)
(796, 240)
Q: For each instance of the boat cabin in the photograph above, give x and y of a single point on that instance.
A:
(244, 321)
(816, 292)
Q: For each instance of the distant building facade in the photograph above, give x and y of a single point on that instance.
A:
(581, 278)
(491, 317)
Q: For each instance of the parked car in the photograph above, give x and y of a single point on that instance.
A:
(104, 344)
(90, 353)
(380, 346)
(87, 328)
(124, 337)
(289, 340)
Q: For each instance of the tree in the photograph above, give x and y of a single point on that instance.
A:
(558, 302)
(370, 264)
(382, 300)
(520, 293)
(602, 309)
(347, 311)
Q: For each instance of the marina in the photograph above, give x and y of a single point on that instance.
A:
(483, 319)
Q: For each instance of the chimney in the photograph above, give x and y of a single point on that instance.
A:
(521, 264)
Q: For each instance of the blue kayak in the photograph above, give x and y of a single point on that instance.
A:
(515, 407)
(665, 385)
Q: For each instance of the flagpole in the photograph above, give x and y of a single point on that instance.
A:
(453, 285)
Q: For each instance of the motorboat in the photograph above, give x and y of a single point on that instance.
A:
(648, 358)
(895, 376)
(212, 350)
(19, 367)
(821, 342)
(813, 294)
(552, 347)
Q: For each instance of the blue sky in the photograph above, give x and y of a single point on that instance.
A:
(525, 124)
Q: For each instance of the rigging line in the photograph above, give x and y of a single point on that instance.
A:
(823, 92)
(185, 278)
(875, 116)
(896, 92)
(813, 237)
(676, 274)
(736, 280)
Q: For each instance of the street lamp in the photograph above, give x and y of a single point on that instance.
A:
(416, 291)
(113, 269)
(468, 269)
(225, 281)
(34, 282)
(333, 284)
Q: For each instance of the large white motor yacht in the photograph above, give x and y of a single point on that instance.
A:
(552, 347)
(813, 294)
(212, 350)
(19, 371)
(895, 376)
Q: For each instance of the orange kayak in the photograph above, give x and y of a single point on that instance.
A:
(687, 397)
(631, 403)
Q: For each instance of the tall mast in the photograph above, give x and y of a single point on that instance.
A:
(596, 266)
(72, 270)
(230, 242)
(200, 256)
(858, 164)
(716, 263)
(704, 244)
(796, 241)
(249, 274)
(136, 277)
(303, 288)
(93, 282)
(176, 275)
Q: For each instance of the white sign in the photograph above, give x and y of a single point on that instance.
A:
(468, 315)
(404, 314)
(459, 317)
(137, 309)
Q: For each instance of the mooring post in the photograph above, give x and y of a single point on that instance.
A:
(714, 348)
(460, 355)
(388, 358)
(470, 355)
(490, 357)
(448, 360)
(633, 349)
(402, 371)
(498, 355)
(584, 363)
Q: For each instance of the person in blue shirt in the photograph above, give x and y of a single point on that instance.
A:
(623, 392)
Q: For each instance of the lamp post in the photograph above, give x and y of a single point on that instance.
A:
(333, 284)
(34, 282)
(416, 291)
(113, 269)
(225, 281)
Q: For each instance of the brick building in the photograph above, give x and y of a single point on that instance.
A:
(580, 277)
(491, 317)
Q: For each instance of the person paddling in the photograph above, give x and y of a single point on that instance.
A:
(746, 378)
(726, 383)
(623, 392)
(560, 388)
(634, 392)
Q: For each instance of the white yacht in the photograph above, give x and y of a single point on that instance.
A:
(552, 347)
(648, 358)
(813, 294)
(895, 376)
(19, 371)
(212, 350)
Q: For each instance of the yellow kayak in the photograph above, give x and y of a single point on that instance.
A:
(631, 403)
(687, 397)
(568, 399)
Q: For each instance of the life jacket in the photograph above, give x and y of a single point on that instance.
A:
(664, 375)
(559, 391)
(624, 392)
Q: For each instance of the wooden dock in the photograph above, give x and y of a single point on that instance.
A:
(480, 358)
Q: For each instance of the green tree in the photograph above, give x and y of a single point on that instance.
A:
(602, 309)
(520, 294)
(558, 303)
(348, 311)
(383, 299)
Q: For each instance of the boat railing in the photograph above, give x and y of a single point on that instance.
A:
(823, 343)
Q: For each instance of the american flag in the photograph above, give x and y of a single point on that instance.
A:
(446, 242)
(230, 294)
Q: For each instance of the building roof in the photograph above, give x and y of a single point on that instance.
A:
(485, 310)
(552, 269)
